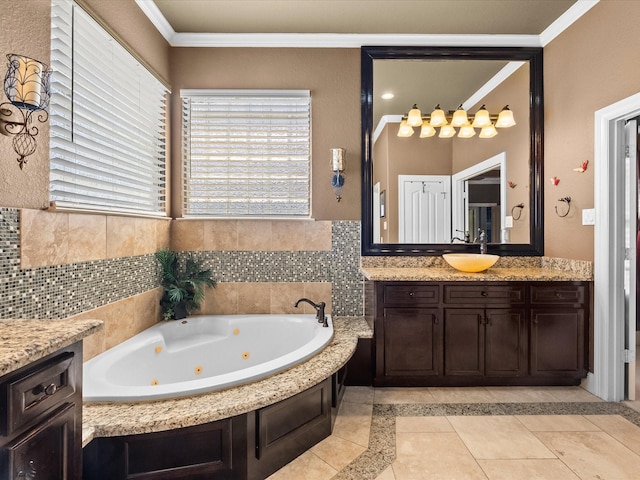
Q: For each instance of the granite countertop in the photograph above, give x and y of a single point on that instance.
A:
(24, 341)
(114, 419)
(542, 269)
(490, 275)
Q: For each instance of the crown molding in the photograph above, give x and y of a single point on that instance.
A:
(565, 20)
(356, 40)
(383, 122)
(504, 73)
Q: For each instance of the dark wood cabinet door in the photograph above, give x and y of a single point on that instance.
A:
(506, 342)
(464, 341)
(557, 342)
(412, 339)
(46, 452)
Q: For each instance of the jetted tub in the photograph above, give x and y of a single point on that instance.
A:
(201, 354)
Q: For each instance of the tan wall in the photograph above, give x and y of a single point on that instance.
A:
(332, 75)
(591, 65)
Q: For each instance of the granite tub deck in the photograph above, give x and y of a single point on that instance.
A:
(25, 341)
(514, 269)
(116, 419)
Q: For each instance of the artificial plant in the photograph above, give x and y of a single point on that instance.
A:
(183, 288)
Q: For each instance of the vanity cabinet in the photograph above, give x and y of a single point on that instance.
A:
(40, 418)
(479, 333)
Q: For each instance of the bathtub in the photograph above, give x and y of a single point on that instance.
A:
(202, 354)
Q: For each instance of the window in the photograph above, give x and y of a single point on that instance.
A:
(246, 152)
(108, 118)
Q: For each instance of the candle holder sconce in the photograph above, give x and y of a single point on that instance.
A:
(27, 87)
(337, 169)
(566, 200)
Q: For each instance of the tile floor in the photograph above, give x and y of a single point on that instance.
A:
(492, 433)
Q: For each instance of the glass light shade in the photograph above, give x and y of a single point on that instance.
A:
(414, 119)
(466, 131)
(459, 117)
(437, 117)
(488, 132)
(447, 131)
(427, 130)
(481, 118)
(405, 130)
(505, 119)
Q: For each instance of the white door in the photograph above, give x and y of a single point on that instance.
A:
(424, 206)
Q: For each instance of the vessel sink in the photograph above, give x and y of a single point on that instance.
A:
(470, 262)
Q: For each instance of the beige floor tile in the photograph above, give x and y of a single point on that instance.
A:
(572, 394)
(337, 452)
(403, 395)
(354, 423)
(423, 424)
(358, 395)
(633, 405)
(434, 456)
(387, 474)
(557, 423)
(500, 437)
(520, 394)
(593, 455)
(306, 467)
(619, 428)
(462, 395)
(538, 469)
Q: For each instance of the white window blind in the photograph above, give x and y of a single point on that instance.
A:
(108, 119)
(246, 152)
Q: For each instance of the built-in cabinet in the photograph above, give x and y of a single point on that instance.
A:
(40, 418)
(479, 333)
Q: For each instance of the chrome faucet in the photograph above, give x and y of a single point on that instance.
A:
(466, 239)
(320, 316)
(482, 240)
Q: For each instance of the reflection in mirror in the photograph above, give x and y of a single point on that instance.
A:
(439, 192)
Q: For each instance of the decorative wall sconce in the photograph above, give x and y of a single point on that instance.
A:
(566, 200)
(337, 167)
(448, 123)
(520, 206)
(27, 87)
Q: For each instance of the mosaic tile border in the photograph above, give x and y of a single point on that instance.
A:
(63, 290)
(382, 438)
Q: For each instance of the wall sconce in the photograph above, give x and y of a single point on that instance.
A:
(27, 87)
(337, 167)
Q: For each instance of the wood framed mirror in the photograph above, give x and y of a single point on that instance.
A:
(512, 161)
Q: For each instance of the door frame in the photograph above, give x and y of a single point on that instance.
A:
(607, 380)
(458, 191)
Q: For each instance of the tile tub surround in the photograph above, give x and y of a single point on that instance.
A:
(115, 419)
(506, 269)
(25, 341)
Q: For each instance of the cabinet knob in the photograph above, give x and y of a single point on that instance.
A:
(411, 294)
(50, 389)
(484, 294)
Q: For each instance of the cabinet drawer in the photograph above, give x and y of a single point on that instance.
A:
(410, 294)
(484, 294)
(38, 390)
(557, 294)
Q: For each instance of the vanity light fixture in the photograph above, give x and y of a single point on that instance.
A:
(337, 169)
(447, 123)
(27, 87)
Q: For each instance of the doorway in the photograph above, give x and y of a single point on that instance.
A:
(607, 380)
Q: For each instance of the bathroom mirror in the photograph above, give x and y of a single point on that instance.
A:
(486, 179)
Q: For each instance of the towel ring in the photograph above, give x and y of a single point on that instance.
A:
(566, 200)
(520, 206)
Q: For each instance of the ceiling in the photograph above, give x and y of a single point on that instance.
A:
(522, 17)
(354, 23)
